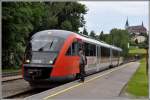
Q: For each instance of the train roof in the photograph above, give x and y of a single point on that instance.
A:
(65, 34)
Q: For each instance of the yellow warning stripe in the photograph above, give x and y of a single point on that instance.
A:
(69, 88)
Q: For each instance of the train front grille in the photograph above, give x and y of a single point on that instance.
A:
(35, 73)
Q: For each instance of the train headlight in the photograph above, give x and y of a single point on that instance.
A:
(27, 60)
(51, 62)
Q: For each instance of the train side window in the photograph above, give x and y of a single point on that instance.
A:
(86, 49)
(90, 49)
(105, 52)
(115, 53)
(73, 49)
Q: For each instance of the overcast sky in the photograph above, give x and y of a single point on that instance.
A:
(104, 15)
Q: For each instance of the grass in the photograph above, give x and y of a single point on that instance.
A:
(138, 51)
(138, 84)
(10, 70)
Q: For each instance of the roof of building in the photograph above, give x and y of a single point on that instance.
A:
(137, 29)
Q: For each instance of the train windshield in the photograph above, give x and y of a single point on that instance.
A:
(46, 44)
(43, 49)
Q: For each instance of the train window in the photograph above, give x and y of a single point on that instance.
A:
(73, 49)
(105, 52)
(90, 49)
(115, 53)
(86, 49)
(45, 43)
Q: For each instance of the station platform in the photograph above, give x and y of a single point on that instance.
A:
(103, 85)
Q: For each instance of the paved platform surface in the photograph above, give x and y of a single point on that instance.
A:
(104, 85)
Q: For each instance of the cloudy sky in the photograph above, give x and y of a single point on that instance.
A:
(104, 15)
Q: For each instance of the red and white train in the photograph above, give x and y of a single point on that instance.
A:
(53, 55)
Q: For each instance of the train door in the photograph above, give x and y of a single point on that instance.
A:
(99, 53)
(111, 56)
(71, 59)
(97, 58)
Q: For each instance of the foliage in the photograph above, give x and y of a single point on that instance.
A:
(120, 38)
(92, 34)
(85, 31)
(101, 36)
(20, 20)
(137, 51)
(66, 25)
(117, 37)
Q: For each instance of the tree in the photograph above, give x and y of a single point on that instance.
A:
(85, 31)
(117, 37)
(136, 41)
(20, 20)
(101, 36)
(92, 34)
(66, 25)
(120, 38)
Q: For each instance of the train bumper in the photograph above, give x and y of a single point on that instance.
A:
(37, 72)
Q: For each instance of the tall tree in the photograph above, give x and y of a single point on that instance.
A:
(92, 34)
(101, 36)
(120, 38)
(85, 31)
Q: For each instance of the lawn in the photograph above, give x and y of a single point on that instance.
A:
(138, 84)
(137, 51)
(10, 70)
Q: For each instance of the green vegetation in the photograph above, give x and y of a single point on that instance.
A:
(85, 31)
(117, 37)
(20, 20)
(10, 70)
(138, 85)
(137, 51)
(93, 34)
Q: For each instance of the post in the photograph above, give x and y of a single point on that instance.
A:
(146, 60)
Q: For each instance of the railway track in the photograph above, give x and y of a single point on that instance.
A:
(7, 74)
(30, 91)
(25, 93)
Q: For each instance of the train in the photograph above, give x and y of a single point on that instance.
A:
(52, 55)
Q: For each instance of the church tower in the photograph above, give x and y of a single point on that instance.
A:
(142, 24)
(127, 24)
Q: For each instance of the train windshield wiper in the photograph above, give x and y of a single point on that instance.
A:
(49, 43)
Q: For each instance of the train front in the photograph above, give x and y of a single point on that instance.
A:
(40, 56)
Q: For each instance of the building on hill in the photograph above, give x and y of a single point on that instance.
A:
(137, 32)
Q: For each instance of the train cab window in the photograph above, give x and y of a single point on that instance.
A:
(73, 49)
